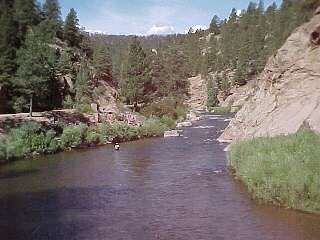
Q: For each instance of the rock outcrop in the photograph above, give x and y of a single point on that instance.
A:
(287, 93)
(198, 93)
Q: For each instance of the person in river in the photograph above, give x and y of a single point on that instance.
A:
(117, 146)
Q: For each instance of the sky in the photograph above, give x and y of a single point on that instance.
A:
(145, 17)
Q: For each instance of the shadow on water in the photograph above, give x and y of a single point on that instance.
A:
(16, 174)
(57, 214)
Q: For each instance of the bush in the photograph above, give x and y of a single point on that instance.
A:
(3, 149)
(169, 107)
(94, 137)
(169, 122)
(83, 108)
(73, 136)
(30, 138)
(119, 132)
(153, 127)
(283, 170)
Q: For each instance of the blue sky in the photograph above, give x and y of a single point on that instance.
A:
(150, 16)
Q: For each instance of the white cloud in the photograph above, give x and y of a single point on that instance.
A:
(160, 30)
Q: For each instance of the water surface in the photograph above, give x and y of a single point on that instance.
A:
(168, 189)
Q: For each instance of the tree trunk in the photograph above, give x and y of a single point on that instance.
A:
(30, 107)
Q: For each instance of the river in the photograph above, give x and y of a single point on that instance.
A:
(170, 189)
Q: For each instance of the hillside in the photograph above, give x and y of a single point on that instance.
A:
(287, 95)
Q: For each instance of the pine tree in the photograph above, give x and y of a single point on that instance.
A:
(212, 89)
(159, 77)
(52, 18)
(27, 14)
(102, 63)
(137, 73)
(35, 72)
(71, 29)
(215, 25)
(83, 85)
(178, 72)
(8, 44)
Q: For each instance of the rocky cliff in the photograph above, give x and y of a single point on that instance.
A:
(198, 93)
(287, 93)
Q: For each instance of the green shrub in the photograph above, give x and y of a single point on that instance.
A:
(119, 132)
(169, 107)
(284, 170)
(153, 127)
(73, 136)
(83, 108)
(3, 149)
(30, 138)
(169, 122)
(94, 137)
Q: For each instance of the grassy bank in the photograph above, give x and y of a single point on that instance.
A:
(283, 170)
(33, 139)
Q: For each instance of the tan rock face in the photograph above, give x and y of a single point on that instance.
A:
(287, 93)
(198, 93)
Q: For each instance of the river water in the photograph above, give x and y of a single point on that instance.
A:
(168, 189)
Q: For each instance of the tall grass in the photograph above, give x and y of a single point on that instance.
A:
(283, 170)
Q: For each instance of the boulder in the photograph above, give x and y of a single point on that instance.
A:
(172, 133)
(286, 95)
(184, 124)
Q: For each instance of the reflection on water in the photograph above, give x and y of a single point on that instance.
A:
(175, 188)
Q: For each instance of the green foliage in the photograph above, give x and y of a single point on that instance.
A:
(83, 107)
(153, 127)
(212, 89)
(168, 121)
(119, 132)
(215, 25)
(94, 137)
(52, 18)
(283, 170)
(3, 149)
(83, 89)
(71, 29)
(170, 107)
(137, 72)
(35, 72)
(73, 136)
(30, 138)
(8, 42)
(102, 62)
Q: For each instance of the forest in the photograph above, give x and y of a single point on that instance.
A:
(38, 49)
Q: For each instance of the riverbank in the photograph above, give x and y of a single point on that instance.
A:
(33, 138)
(283, 170)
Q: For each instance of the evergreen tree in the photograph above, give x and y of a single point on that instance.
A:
(102, 63)
(159, 77)
(8, 43)
(137, 73)
(215, 25)
(35, 72)
(52, 18)
(83, 85)
(212, 89)
(27, 14)
(71, 29)
(178, 72)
